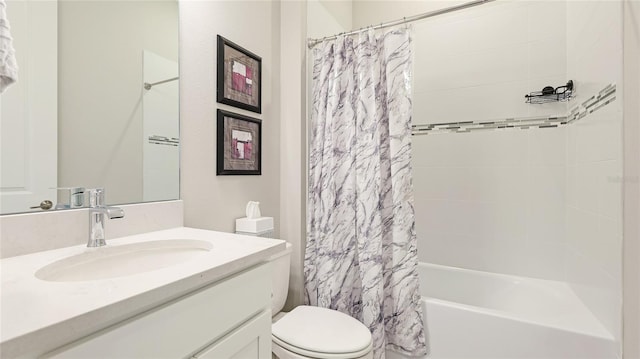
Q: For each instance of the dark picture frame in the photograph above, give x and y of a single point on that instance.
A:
(239, 144)
(239, 76)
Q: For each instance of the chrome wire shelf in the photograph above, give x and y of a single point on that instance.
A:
(551, 94)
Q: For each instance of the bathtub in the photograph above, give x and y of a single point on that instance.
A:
(474, 314)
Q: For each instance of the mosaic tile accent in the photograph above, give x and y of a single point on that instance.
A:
(578, 112)
(594, 103)
(162, 140)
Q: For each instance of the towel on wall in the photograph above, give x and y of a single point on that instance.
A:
(8, 65)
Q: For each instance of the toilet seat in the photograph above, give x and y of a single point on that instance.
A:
(284, 353)
(322, 333)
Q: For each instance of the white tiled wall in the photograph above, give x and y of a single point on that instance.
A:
(543, 203)
(594, 45)
(479, 64)
(631, 246)
(594, 214)
(540, 202)
(594, 161)
(491, 200)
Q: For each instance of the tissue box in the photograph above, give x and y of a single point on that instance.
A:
(261, 227)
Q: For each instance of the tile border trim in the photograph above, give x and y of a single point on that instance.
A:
(578, 112)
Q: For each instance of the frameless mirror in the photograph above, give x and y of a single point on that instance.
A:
(95, 105)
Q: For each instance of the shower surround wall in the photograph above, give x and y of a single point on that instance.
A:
(542, 203)
(491, 200)
(594, 162)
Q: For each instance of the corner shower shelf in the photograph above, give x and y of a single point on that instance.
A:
(550, 94)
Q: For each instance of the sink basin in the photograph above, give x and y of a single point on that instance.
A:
(123, 260)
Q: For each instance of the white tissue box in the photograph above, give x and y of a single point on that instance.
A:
(262, 227)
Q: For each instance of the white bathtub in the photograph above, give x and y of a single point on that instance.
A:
(474, 314)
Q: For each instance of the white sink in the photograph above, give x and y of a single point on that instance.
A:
(123, 260)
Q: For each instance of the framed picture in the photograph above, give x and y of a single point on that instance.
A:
(239, 144)
(239, 76)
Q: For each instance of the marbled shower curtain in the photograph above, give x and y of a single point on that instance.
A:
(361, 256)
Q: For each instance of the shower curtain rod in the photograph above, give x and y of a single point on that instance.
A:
(148, 86)
(314, 42)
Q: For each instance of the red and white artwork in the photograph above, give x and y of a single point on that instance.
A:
(241, 145)
(241, 78)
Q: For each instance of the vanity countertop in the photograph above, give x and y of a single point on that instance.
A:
(36, 315)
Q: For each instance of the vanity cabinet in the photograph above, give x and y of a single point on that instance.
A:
(248, 341)
(227, 319)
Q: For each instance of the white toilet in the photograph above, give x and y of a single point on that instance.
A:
(312, 332)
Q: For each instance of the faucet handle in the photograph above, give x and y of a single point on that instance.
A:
(75, 199)
(96, 197)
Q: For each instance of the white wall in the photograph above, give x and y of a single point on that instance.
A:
(320, 18)
(594, 161)
(492, 200)
(100, 89)
(293, 151)
(210, 201)
(631, 182)
(326, 17)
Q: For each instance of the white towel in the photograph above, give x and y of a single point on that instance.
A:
(8, 65)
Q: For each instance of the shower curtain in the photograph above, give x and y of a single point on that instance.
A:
(361, 256)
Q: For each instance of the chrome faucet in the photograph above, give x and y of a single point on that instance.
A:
(98, 214)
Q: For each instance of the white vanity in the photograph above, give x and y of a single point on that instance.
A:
(177, 293)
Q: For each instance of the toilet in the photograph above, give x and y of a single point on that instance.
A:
(312, 332)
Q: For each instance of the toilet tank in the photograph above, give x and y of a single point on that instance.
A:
(280, 279)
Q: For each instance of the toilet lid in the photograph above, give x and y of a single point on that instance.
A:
(322, 330)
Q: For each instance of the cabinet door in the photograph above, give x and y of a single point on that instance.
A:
(179, 328)
(251, 341)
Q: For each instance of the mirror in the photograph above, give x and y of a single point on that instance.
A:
(80, 115)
